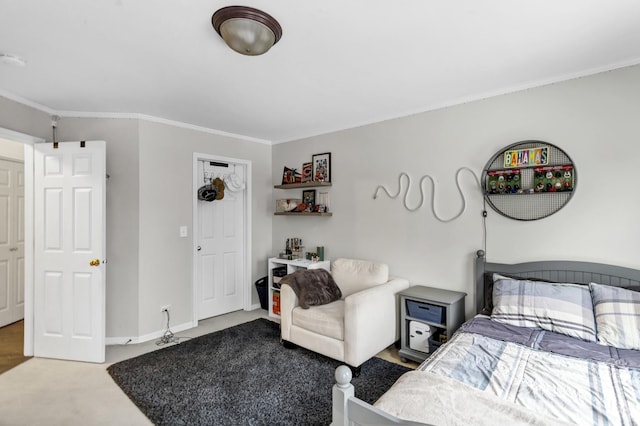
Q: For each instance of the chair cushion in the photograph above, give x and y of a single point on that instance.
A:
(326, 320)
(354, 275)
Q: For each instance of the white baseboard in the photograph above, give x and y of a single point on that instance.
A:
(146, 337)
(159, 333)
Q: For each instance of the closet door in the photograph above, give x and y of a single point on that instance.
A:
(11, 242)
(221, 250)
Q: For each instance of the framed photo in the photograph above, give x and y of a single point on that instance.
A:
(287, 205)
(309, 198)
(321, 167)
(290, 176)
(307, 172)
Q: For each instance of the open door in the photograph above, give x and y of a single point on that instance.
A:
(69, 250)
(11, 242)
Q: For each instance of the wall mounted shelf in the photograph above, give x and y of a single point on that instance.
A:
(302, 185)
(302, 214)
(312, 184)
(549, 182)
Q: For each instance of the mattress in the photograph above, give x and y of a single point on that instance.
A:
(548, 375)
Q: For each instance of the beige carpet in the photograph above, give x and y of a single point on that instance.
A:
(51, 392)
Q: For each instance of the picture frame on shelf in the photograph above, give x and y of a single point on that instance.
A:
(287, 205)
(309, 198)
(321, 167)
(307, 172)
(290, 175)
(322, 202)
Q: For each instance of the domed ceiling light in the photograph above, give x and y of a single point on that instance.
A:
(246, 30)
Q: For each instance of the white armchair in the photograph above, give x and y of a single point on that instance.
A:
(355, 328)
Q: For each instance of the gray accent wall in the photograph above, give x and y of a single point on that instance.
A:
(148, 197)
(166, 196)
(593, 119)
(123, 209)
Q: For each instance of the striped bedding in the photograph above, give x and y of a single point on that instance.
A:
(564, 378)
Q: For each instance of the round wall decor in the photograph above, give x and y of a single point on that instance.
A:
(529, 180)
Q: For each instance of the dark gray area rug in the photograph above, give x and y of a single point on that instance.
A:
(242, 376)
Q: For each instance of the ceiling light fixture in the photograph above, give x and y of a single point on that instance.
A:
(246, 30)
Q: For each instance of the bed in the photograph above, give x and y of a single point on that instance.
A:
(560, 346)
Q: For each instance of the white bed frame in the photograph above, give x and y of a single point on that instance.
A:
(349, 410)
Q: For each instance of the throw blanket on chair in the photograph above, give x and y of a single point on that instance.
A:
(313, 287)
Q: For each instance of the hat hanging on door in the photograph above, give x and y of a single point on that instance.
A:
(207, 193)
(219, 184)
(233, 182)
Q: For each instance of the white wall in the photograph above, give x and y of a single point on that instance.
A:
(11, 150)
(593, 119)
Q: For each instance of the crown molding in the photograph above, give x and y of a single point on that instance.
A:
(26, 102)
(126, 115)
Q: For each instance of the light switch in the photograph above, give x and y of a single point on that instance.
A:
(183, 231)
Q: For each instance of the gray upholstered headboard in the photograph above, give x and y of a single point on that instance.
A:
(551, 270)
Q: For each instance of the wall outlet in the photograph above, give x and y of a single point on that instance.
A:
(165, 308)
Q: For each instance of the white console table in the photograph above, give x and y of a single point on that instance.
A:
(292, 266)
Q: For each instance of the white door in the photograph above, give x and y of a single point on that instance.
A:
(11, 242)
(221, 249)
(69, 250)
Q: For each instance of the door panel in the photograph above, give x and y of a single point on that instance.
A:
(18, 231)
(220, 259)
(69, 292)
(11, 242)
(207, 263)
(82, 225)
(20, 296)
(82, 319)
(5, 295)
(5, 224)
(54, 300)
(230, 279)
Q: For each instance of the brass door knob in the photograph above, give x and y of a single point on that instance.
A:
(94, 262)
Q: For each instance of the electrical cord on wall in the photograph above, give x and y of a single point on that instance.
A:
(168, 336)
(484, 229)
(433, 193)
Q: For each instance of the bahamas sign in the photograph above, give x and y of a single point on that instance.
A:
(527, 157)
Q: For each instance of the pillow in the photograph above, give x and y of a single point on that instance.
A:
(558, 307)
(313, 287)
(488, 288)
(617, 312)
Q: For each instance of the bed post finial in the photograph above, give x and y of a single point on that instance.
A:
(342, 391)
(343, 376)
(480, 253)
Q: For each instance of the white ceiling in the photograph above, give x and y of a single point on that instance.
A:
(339, 64)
